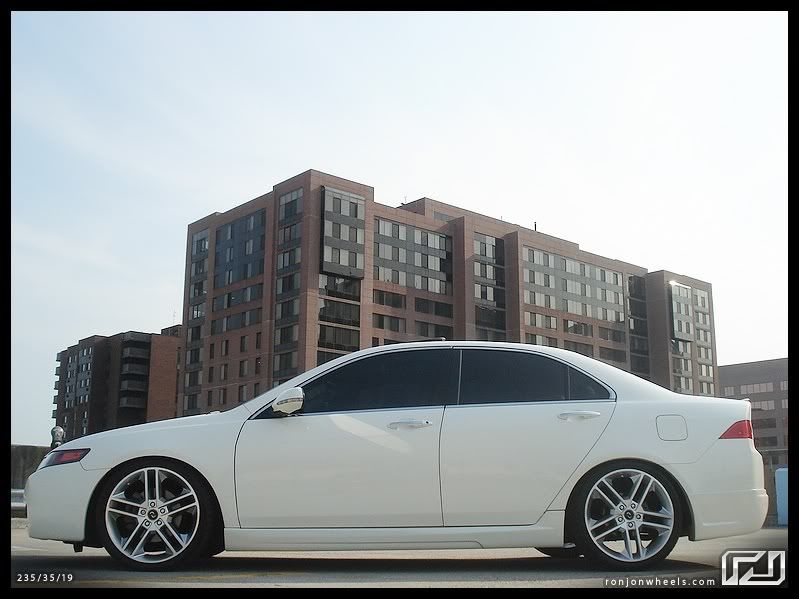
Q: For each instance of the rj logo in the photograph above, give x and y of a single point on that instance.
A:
(753, 567)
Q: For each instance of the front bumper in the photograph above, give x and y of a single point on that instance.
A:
(57, 498)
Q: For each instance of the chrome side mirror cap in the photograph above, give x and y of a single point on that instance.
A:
(288, 402)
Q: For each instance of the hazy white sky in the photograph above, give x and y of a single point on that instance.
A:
(656, 138)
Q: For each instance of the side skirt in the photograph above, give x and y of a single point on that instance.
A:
(547, 532)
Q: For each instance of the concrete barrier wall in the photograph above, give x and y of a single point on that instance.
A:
(24, 461)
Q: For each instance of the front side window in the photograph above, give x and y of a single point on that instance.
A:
(387, 381)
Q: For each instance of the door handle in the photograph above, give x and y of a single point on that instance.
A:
(410, 424)
(580, 415)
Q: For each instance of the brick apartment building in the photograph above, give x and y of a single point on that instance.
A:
(110, 382)
(765, 383)
(316, 268)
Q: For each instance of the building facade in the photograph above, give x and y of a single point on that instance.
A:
(765, 383)
(110, 382)
(316, 268)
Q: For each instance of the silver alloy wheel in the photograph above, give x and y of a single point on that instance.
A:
(152, 515)
(629, 515)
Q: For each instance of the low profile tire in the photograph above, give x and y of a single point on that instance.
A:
(561, 552)
(625, 516)
(155, 515)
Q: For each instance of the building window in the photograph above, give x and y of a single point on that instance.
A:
(338, 338)
(614, 355)
(242, 393)
(290, 204)
(580, 348)
(388, 323)
(243, 343)
(225, 347)
(289, 233)
(243, 367)
(285, 361)
(286, 334)
(258, 340)
(199, 242)
(429, 329)
(386, 298)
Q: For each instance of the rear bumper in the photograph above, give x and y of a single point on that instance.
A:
(728, 514)
(725, 489)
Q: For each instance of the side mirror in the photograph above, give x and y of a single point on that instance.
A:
(288, 402)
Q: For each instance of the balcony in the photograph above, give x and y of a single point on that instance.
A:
(135, 352)
(134, 336)
(54, 411)
(55, 398)
(133, 386)
(55, 386)
(132, 401)
(57, 370)
(134, 369)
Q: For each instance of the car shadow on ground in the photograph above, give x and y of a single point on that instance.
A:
(342, 569)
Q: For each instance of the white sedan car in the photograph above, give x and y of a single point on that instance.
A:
(433, 445)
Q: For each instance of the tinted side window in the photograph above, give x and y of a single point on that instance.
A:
(393, 380)
(494, 376)
(583, 387)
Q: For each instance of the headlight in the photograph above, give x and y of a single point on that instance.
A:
(65, 456)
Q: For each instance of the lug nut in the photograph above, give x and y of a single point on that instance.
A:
(629, 525)
(638, 516)
(152, 504)
(632, 505)
(620, 519)
(159, 522)
(163, 510)
(142, 512)
(146, 523)
(621, 506)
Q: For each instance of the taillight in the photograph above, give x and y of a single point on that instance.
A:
(740, 430)
(66, 456)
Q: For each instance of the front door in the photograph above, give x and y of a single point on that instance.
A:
(362, 452)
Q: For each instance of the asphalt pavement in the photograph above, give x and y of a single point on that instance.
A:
(690, 565)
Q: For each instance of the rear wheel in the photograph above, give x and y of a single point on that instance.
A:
(625, 516)
(155, 515)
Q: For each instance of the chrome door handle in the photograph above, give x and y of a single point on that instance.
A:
(580, 415)
(410, 424)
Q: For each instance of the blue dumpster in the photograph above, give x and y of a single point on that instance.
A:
(781, 484)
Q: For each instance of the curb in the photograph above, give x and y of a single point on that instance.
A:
(19, 523)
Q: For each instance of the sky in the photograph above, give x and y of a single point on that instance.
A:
(660, 139)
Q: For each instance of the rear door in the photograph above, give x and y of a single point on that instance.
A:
(522, 425)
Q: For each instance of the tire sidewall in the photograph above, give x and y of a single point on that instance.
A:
(197, 546)
(576, 518)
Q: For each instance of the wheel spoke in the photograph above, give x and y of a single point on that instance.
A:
(157, 491)
(641, 550)
(116, 511)
(598, 524)
(667, 514)
(180, 509)
(607, 532)
(171, 501)
(167, 544)
(637, 486)
(125, 501)
(140, 544)
(610, 502)
(175, 534)
(619, 498)
(656, 525)
(628, 544)
(133, 534)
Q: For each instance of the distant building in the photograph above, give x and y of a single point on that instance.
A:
(316, 268)
(765, 383)
(110, 382)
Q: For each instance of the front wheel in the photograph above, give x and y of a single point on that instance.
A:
(154, 515)
(625, 516)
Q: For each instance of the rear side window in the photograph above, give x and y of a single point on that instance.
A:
(494, 376)
(392, 380)
(583, 387)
